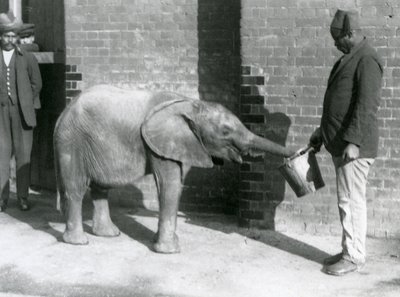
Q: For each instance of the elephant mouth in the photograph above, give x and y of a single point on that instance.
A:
(234, 155)
(236, 152)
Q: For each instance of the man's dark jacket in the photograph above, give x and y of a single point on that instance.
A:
(351, 102)
(29, 84)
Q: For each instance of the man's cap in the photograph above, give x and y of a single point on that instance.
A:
(345, 21)
(26, 30)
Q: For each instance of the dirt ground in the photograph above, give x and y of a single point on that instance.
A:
(217, 259)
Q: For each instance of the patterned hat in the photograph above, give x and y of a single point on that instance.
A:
(345, 21)
(8, 22)
(26, 30)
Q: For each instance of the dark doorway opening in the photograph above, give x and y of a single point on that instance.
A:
(49, 20)
(219, 62)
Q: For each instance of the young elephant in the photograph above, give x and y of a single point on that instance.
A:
(107, 137)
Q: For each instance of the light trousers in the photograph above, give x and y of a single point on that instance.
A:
(351, 182)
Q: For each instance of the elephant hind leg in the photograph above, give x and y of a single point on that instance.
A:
(74, 233)
(102, 223)
(72, 186)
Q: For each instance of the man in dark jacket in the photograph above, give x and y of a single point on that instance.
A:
(20, 84)
(349, 131)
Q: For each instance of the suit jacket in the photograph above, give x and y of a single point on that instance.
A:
(29, 84)
(351, 102)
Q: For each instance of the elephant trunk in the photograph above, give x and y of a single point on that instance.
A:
(264, 145)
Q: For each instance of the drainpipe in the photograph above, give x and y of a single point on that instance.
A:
(16, 7)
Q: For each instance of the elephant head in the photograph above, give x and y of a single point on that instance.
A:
(193, 131)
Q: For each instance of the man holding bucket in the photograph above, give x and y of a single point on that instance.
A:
(349, 131)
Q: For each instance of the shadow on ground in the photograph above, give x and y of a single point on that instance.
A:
(45, 202)
(14, 282)
(43, 215)
(272, 238)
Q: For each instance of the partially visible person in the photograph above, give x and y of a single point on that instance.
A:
(27, 38)
(349, 131)
(27, 42)
(20, 85)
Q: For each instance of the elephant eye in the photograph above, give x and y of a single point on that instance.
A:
(226, 130)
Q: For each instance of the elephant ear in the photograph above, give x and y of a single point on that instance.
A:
(169, 132)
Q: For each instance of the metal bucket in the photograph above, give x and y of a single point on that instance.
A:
(302, 173)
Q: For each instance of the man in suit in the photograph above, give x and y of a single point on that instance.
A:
(349, 131)
(20, 85)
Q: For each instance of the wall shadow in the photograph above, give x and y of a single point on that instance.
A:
(277, 129)
(219, 62)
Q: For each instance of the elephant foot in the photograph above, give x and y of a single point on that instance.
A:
(78, 238)
(167, 246)
(106, 230)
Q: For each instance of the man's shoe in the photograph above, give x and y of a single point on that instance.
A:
(333, 259)
(341, 268)
(3, 205)
(23, 204)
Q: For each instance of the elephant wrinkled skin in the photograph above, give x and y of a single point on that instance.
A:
(109, 137)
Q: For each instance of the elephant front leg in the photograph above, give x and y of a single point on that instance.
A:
(168, 177)
(102, 223)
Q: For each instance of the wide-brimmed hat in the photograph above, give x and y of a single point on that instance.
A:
(345, 21)
(26, 30)
(8, 22)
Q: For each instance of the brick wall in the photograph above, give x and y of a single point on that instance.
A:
(188, 46)
(288, 42)
(268, 60)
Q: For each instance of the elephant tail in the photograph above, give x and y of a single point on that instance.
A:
(57, 172)
(60, 200)
(58, 206)
(59, 186)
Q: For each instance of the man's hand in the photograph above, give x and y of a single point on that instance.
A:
(351, 152)
(316, 140)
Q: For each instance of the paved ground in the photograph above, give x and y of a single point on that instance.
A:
(217, 259)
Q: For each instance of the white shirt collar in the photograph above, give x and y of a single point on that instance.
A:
(7, 55)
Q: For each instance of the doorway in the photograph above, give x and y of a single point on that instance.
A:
(48, 17)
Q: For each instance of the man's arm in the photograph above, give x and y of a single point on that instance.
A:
(35, 79)
(316, 140)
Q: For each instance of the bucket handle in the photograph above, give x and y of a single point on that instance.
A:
(300, 152)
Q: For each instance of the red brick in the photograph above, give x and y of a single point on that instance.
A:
(281, 3)
(306, 61)
(313, 4)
